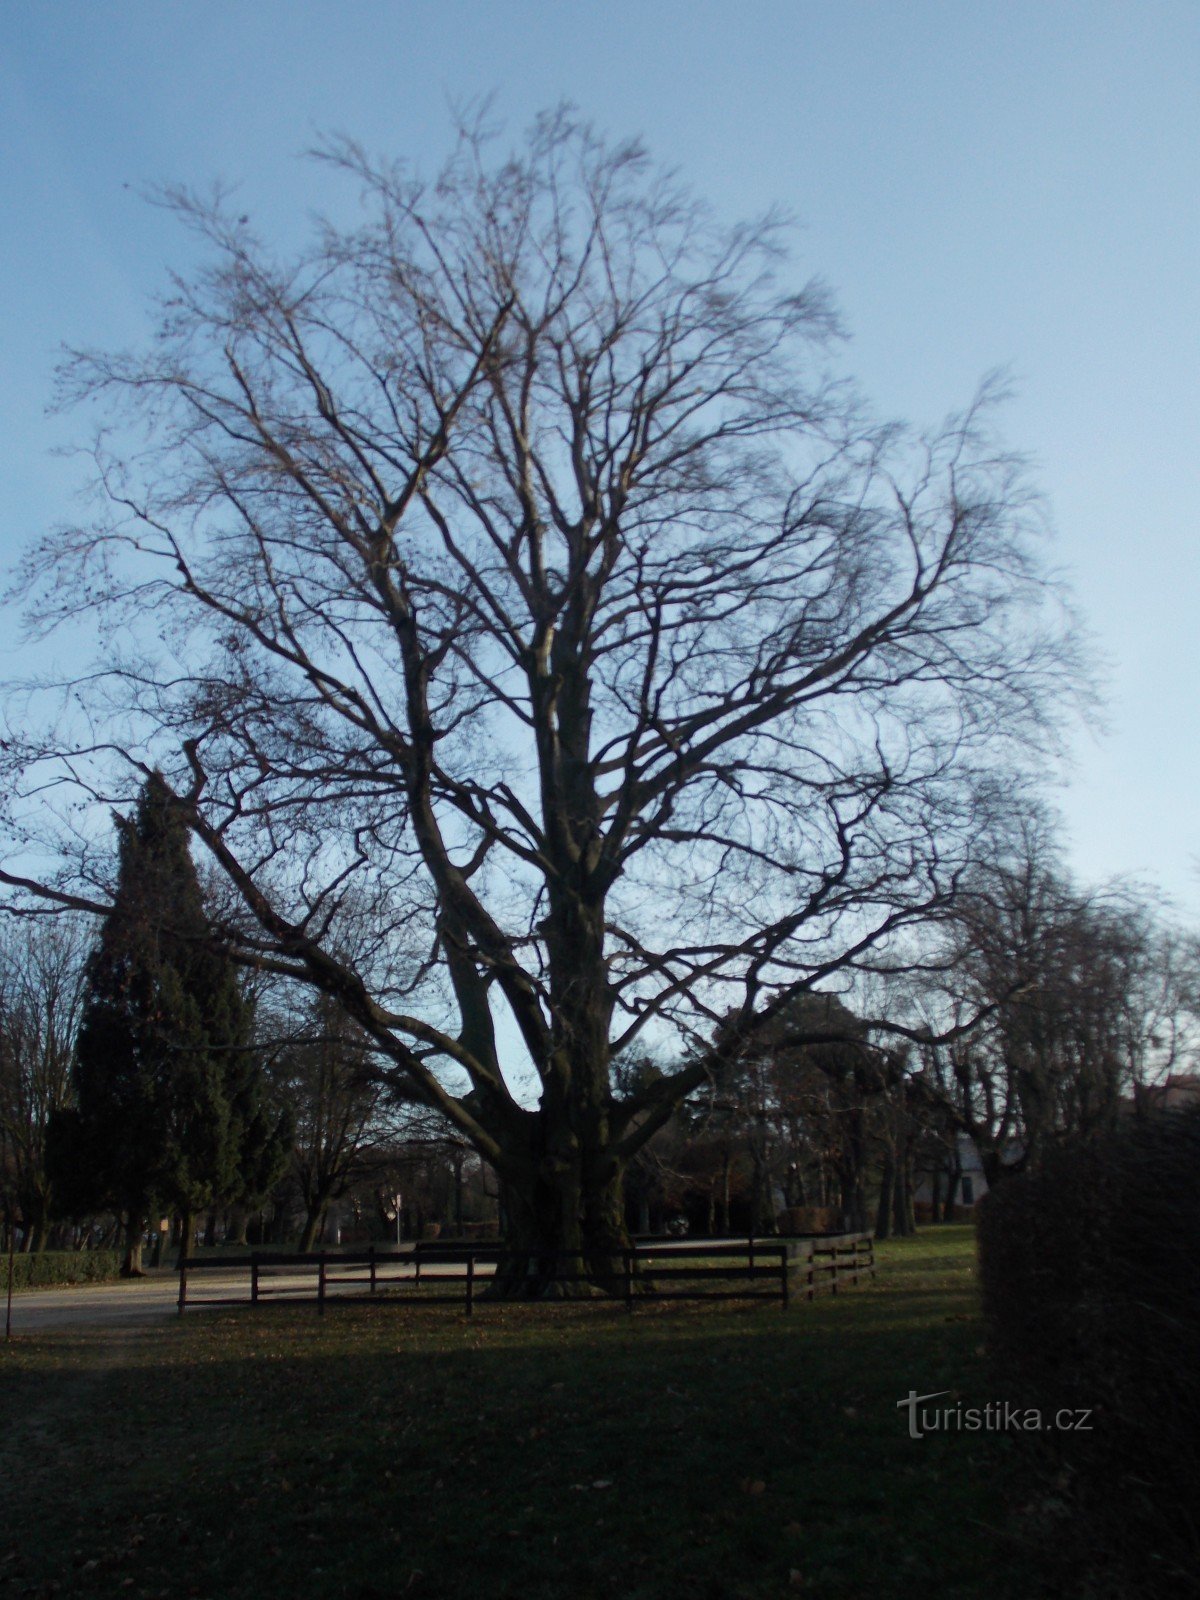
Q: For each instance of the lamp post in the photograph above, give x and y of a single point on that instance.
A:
(12, 1248)
(392, 1213)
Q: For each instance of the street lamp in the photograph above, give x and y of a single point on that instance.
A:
(392, 1212)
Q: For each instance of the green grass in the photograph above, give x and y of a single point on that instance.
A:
(690, 1452)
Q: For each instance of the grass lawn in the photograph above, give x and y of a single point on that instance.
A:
(684, 1453)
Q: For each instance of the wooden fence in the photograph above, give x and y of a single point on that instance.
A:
(757, 1269)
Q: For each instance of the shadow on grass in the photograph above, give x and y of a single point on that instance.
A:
(681, 1452)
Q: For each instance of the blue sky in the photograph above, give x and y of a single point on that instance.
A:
(987, 184)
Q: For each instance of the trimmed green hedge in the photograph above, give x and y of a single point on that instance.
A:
(49, 1267)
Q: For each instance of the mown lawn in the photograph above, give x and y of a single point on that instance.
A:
(695, 1453)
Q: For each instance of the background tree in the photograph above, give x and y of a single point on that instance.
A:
(523, 571)
(1083, 996)
(339, 1105)
(41, 988)
(826, 1092)
(164, 1113)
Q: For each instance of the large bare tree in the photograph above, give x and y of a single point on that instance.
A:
(513, 564)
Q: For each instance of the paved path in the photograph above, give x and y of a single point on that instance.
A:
(153, 1298)
(116, 1305)
(94, 1304)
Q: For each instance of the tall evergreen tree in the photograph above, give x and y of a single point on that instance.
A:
(170, 1107)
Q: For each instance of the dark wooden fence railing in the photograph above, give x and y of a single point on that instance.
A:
(756, 1269)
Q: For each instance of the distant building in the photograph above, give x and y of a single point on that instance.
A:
(1178, 1092)
(971, 1187)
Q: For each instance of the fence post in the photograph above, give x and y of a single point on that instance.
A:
(470, 1286)
(183, 1266)
(629, 1281)
(254, 1278)
(783, 1275)
(321, 1285)
(751, 1253)
(372, 1255)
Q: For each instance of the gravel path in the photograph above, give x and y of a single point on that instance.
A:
(102, 1305)
(95, 1304)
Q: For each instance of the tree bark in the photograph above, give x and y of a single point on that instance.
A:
(314, 1219)
(565, 1235)
(131, 1267)
(884, 1212)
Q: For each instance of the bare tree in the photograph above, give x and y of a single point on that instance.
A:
(1082, 995)
(41, 988)
(513, 564)
(339, 1109)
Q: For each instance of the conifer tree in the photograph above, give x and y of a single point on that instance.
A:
(170, 1110)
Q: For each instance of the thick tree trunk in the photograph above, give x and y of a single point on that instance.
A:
(566, 1237)
(565, 1201)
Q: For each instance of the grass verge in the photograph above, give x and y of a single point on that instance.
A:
(690, 1451)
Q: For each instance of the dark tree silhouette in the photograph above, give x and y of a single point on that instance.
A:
(525, 577)
(1084, 995)
(168, 1108)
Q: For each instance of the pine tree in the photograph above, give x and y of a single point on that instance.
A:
(170, 1106)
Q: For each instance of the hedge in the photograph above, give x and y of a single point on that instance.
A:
(49, 1267)
(1091, 1286)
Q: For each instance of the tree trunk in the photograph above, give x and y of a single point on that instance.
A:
(853, 1166)
(314, 1219)
(953, 1179)
(884, 1212)
(566, 1236)
(900, 1201)
(131, 1267)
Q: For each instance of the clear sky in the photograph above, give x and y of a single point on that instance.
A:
(983, 182)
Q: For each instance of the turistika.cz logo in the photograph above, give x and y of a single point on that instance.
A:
(998, 1416)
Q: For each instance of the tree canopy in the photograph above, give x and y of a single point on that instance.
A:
(513, 570)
